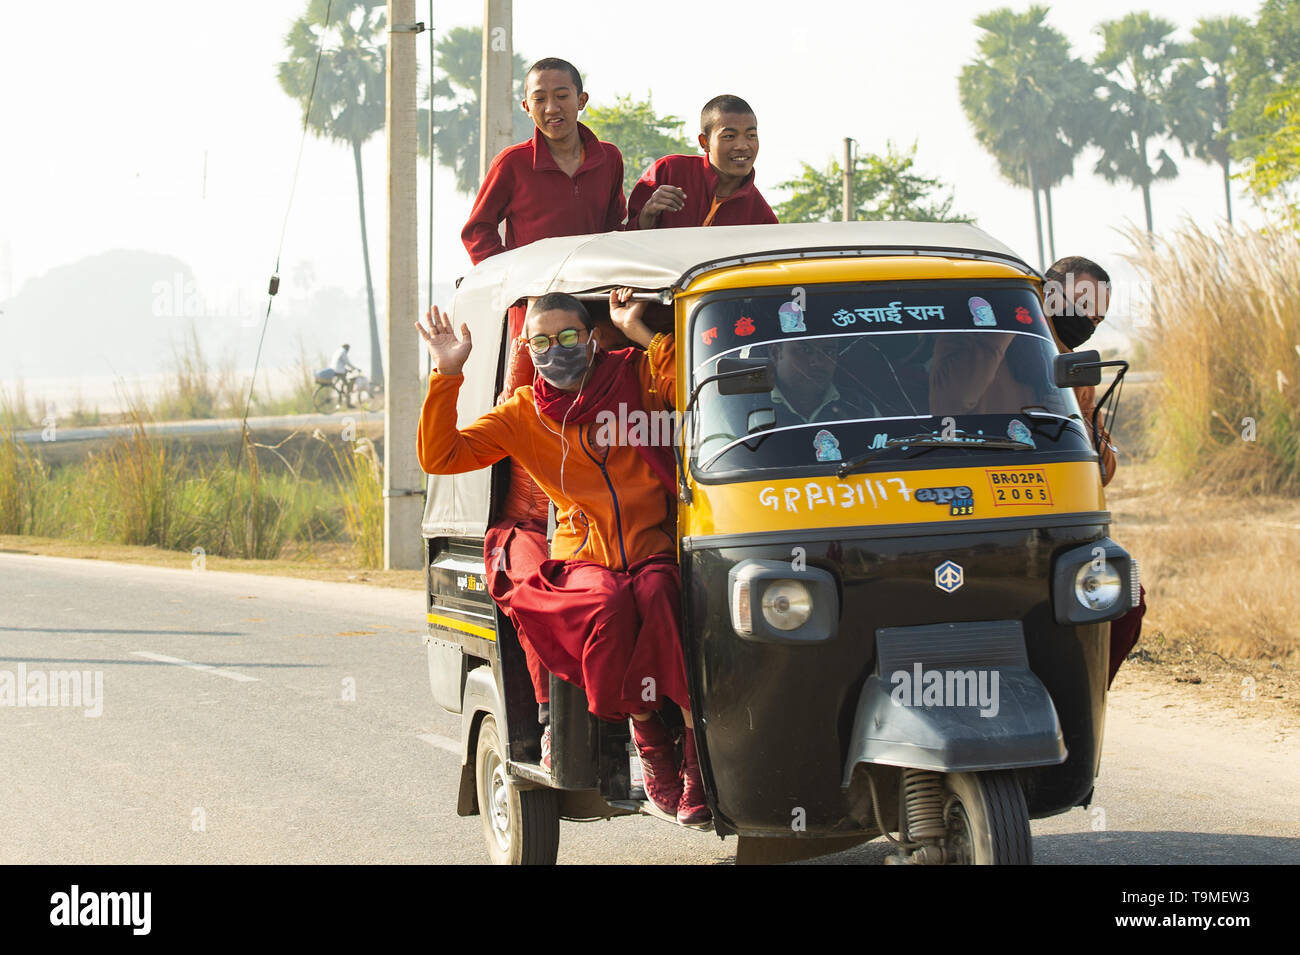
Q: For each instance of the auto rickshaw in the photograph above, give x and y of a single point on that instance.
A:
(896, 571)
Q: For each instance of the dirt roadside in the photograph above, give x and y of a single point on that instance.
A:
(328, 562)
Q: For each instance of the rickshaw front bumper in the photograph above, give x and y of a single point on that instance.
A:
(954, 698)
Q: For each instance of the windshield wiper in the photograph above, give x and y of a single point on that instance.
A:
(961, 439)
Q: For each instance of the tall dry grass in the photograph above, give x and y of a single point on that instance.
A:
(22, 477)
(1217, 567)
(16, 413)
(1225, 336)
(361, 489)
(137, 491)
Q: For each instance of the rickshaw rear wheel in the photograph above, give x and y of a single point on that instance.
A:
(988, 821)
(522, 827)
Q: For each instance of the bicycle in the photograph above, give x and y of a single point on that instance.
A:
(348, 391)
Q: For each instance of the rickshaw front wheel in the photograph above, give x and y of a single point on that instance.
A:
(987, 819)
(522, 827)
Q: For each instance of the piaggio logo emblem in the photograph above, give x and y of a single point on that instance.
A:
(949, 576)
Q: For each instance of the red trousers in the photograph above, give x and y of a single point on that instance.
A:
(1124, 634)
(617, 635)
(512, 552)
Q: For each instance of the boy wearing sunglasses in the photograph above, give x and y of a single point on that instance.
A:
(603, 611)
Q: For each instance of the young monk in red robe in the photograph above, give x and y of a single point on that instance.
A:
(1076, 297)
(563, 181)
(714, 189)
(604, 611)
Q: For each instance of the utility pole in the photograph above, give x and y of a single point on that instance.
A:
(496, 98)
(848, 180)
(403, 477)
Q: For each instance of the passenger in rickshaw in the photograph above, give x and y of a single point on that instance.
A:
(604, 611)
(1076, 295)
(805, 384)
(714, 189)
(974, 374)
(564, 181)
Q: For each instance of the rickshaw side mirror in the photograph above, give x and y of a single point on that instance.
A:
(745, 376)
(1075, 369)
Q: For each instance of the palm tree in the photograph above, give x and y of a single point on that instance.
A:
(1027, 99)
(1201, 96)
(458, 79)
(1050, 171)
(1137, 63)
(348, 103)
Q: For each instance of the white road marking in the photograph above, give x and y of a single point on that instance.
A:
(218, 671)
(442, 742)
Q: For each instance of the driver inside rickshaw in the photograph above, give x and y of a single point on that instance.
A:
(805, 389)
(603, 613)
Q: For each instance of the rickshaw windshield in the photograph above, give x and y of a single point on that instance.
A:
(856, 367)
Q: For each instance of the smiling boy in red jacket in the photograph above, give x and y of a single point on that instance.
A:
(563, 181)
(714, 189)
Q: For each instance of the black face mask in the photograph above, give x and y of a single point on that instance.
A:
(1073, 330)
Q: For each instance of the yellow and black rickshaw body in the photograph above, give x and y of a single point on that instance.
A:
(896, 606)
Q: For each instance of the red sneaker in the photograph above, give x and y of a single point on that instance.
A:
(658, 763)
(692, 810)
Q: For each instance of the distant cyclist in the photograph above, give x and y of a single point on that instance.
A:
(342, 364)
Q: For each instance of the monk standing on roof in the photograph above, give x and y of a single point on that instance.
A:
(604, 612)
(714, 189)
(564, 181)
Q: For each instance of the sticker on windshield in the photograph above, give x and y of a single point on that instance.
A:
(1017, 431)
(827, 445)
(1019, 486)
(710, 335)
(791, 316)
(982, 311)
(1023, 316)
(744, 325)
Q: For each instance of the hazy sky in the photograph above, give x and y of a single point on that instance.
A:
(108, 114)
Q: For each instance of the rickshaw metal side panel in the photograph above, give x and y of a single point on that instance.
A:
(774, 721)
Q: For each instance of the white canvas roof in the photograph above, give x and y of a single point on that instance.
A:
(672, 258)
(652, 261)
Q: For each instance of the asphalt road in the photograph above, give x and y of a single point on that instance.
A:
(225, 736)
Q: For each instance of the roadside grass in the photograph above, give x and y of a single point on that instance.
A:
(360, 487)
(1218, 567)
(15, 413)
(1225, 337)
(22, 476)
(140, 490)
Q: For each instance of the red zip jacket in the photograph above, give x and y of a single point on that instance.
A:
(696, 176)
(538, 200)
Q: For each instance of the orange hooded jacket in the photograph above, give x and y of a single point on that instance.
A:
(613, 511)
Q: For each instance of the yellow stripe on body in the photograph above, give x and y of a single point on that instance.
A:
(487, 633)
(873, 499)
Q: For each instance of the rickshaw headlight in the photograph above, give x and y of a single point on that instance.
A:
(1097, 589)
(787, 604)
